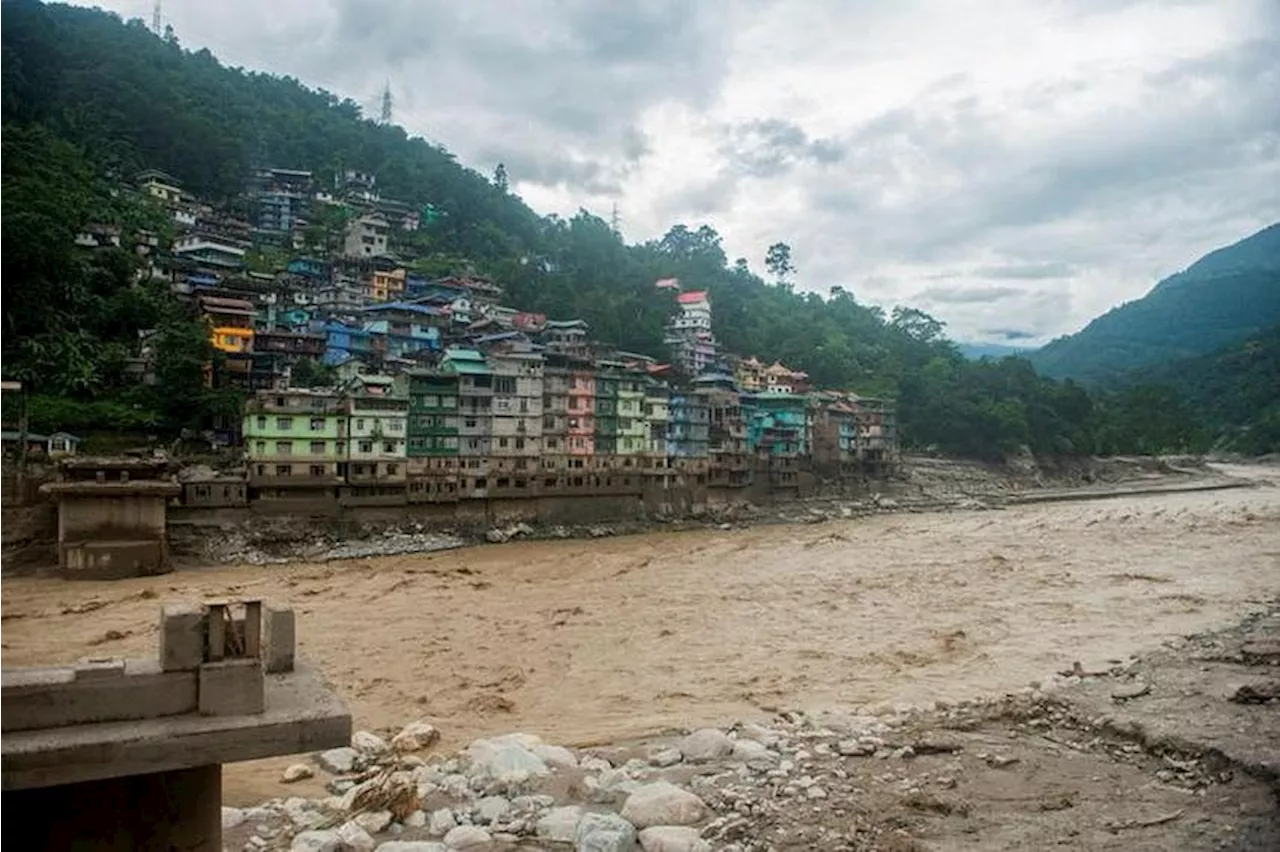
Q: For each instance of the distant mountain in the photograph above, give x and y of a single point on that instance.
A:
(1225, 297)
(974, 351)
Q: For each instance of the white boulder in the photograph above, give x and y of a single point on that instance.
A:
(604, 832)
(296, 772)
(369, 743)
(415, 736)
(354, 838)
(316, 841)
(706, 744)
(559, 825)
(339, 761)
(468, 838)
(672, 838)
(662, 803)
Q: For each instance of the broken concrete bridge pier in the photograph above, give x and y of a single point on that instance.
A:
(116, 754)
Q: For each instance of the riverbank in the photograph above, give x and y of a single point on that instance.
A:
(925, 484)
(1177, 749)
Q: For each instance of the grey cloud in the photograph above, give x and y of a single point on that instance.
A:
(1027, 271)
(964, 295)
(770, 147)
(553, 88)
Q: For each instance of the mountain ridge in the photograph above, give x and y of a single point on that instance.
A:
(1228, 295)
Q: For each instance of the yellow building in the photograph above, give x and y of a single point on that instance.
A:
(232, 339)
(387, 286)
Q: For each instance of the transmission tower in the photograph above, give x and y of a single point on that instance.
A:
(384, 116)
(615, 221)
(155, 18)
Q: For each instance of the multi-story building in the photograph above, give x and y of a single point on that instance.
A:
(475, 418)
(367, 236)
(294, 441)
(517, 417)
(687, 429)
(776, 423)
(567, 337)
(748, 373)
(657, 415)
(688, 333)
(557, 380)
(433, 442)
(377, 435)
(729, 463)
(582, 414)
(608, 378)
(633, 428)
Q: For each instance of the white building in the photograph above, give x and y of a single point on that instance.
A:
(367, 236)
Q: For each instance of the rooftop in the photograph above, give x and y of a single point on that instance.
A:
(692, 297)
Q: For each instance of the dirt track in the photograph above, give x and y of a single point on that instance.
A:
(593, 641)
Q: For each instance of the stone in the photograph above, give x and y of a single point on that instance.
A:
(369, 743)
(604, 832)
(374, 821)
(505, 760)
(468, 838)
(417, 819)
(706, 744)
(415, 736)
(496, 536)
(411, 846)
(296, 772)
(231, 817)
(672, 838)
(355, 838)
(316, 841)
(662, 803)
(855, 748)
(490, 809)
(554, 755)
(441, 821)
(559, 825)
(339, 761)
(1127, 691)
(746, 750)
(666, 757)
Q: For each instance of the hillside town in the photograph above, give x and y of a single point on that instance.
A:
(424, 389)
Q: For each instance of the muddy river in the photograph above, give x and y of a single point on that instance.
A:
(589, 641)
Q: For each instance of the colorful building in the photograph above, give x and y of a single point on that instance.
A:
(776, 423)
(377, 430)
(608, 378)
(294, 439)
(475, 417)
(633, 428)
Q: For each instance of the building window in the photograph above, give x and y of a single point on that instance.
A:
(519, 443)
(502, 442)
(360, 423)
(262, 422)
(317, 424)
(317, 448)
(262, 470)
(392, 469)
(366, 446)
(395, 424)
(448, 402)
(388, 447)
(284, 422)
(284, 470)
(317, 470)
(504, 384)
(552, 443)
(470, 423)
(284, 448)
(262, 448)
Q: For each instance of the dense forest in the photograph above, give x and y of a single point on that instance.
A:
(89, 100)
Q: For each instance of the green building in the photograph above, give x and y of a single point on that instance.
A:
(433, 414)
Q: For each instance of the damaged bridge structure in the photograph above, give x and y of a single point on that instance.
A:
(114, 754)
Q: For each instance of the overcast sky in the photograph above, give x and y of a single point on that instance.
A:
(1015, 167)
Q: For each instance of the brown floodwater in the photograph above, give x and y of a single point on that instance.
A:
(589, 641)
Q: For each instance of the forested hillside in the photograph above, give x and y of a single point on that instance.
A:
(89, 100)
(1234, 393)
(1225, 297)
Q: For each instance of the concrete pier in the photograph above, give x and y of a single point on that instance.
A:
(113, 754)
